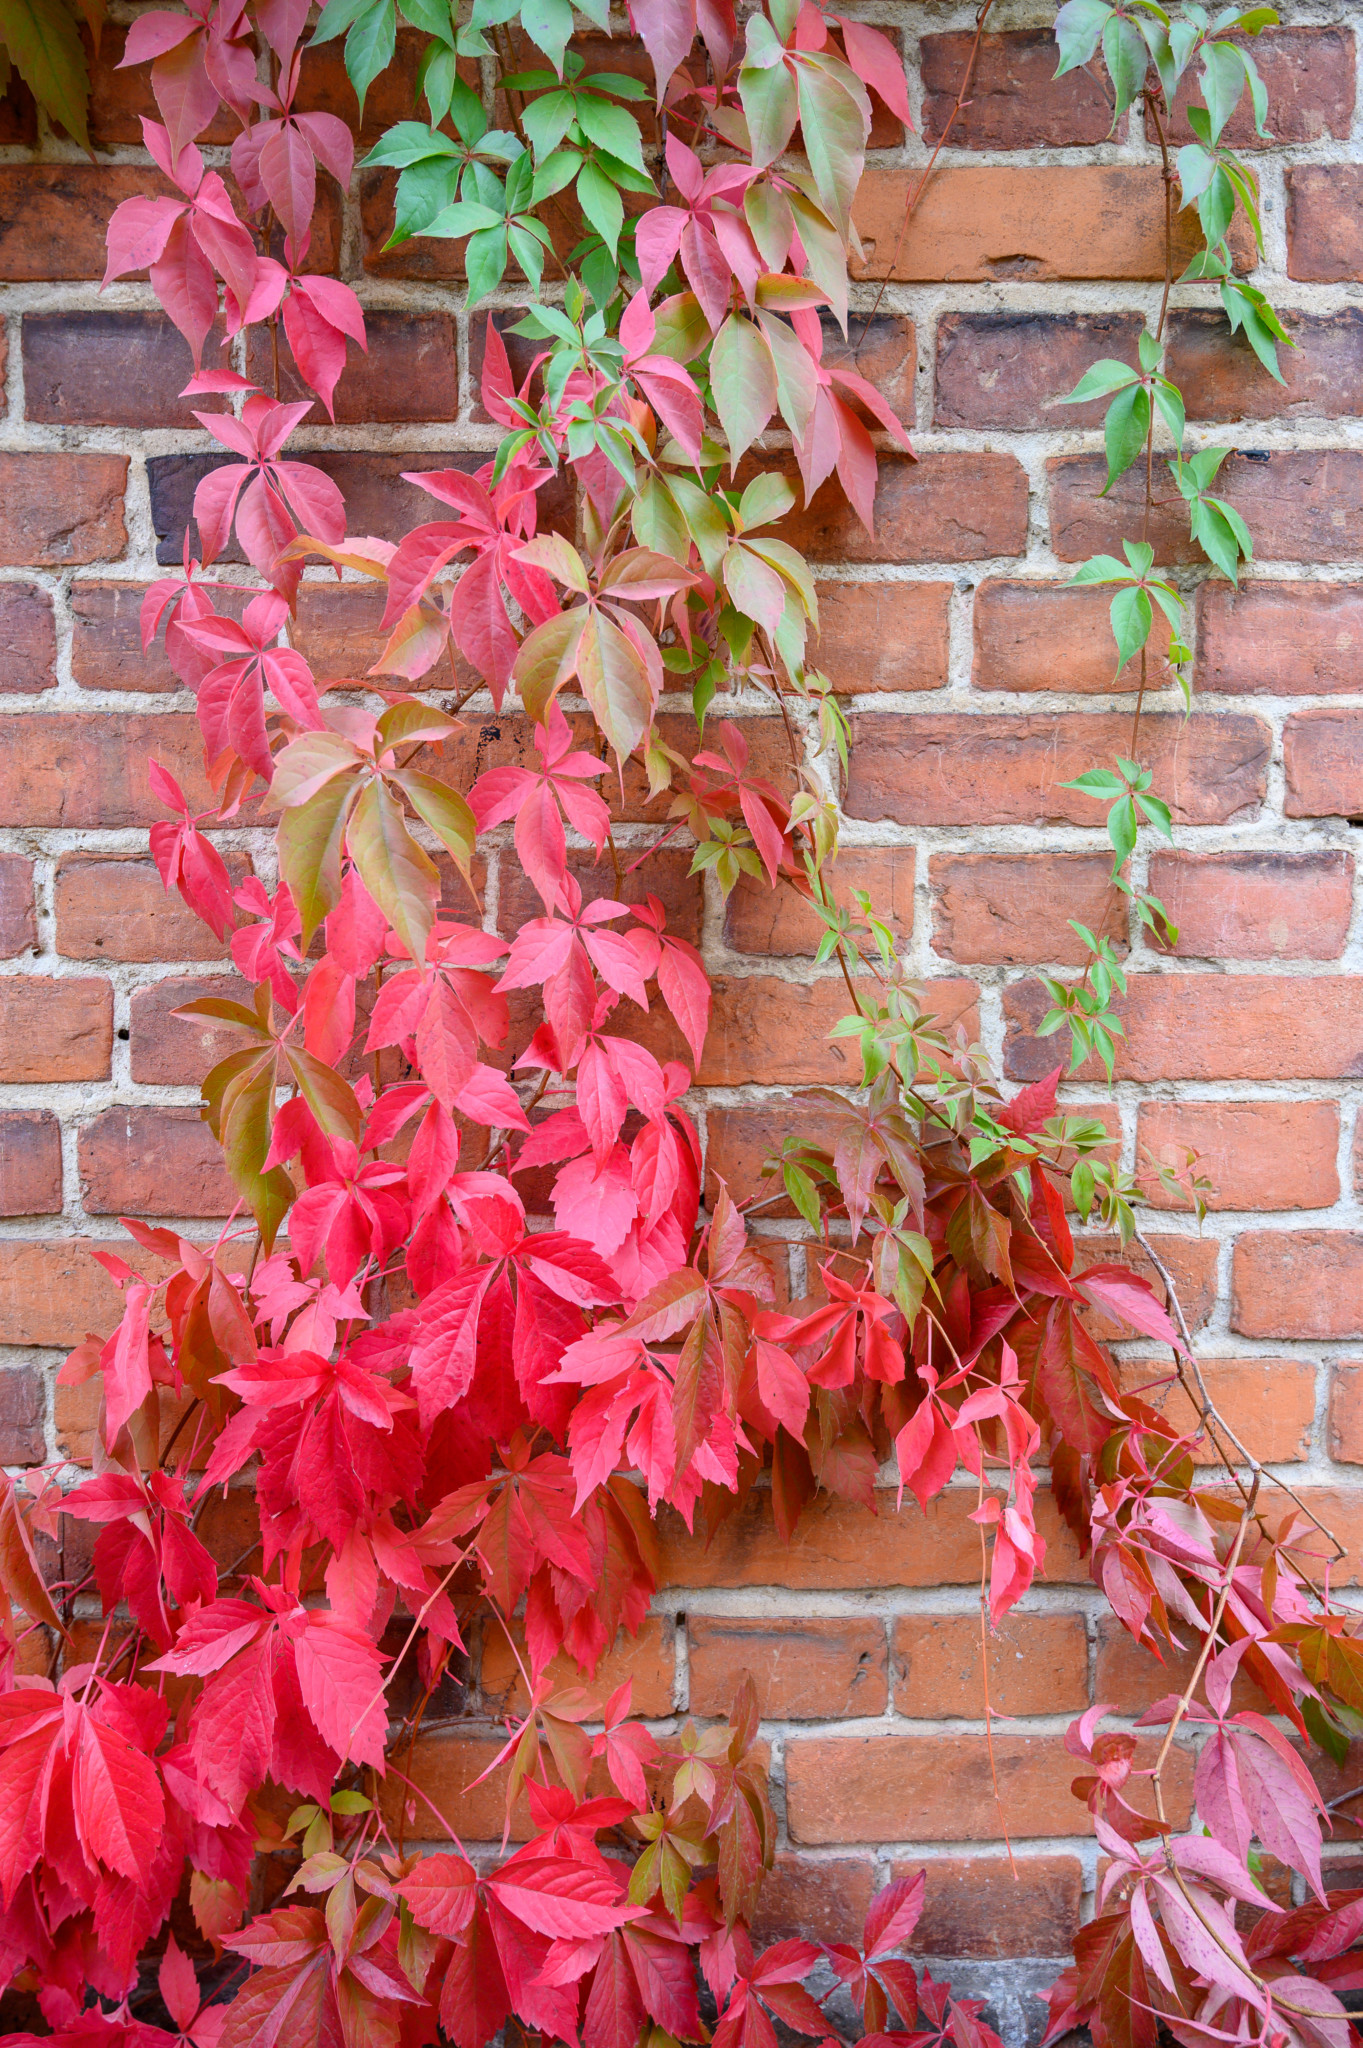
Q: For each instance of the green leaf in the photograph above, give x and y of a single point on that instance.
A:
(610, 128)
(336, 17)
(558, 169)
(1101, 569)
(1078, 31)
(703, 691)
(410, 142)
(614, 683)
(546, 120)
(768, 497)
(485, 262)
(433, 16)
(370, 45)
(309, 840)
(1157, 813)
(1223, 78)
(602, 204)
(549, 25)
(834, 135)
(45, 46)
(1126, 57)
(1100, 378)
(444, 811)
(1097, 782)
(424, 192)
(770, 100)
(1124, 431)
(1131, 616)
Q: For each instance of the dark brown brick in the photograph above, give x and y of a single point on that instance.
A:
(979, 1906)
(1325, 222)
(152, 1162)
(804, 1669)
(808, 1899)
(1301, 505)
(1257, 906)
(1323, 763)
(883, 349)
(110, 370)
(1308, 74)
(18, 924)
(1012, 369)
(30, 1163)
(58, 510)
(666, 875)
(28, 638)
(882, 636)
(1015, 101)
(1280, 639)
(1221, 378)
(410, 371)
(925, 769)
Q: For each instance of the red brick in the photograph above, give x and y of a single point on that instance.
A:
(1269, 1403)
(180, 1050)
(1258, 1155)
(981, 1906)
(1038, 1664)
(809, 1899)
(119, 99)
(664, 875)
(55, 1029)
(947, 769)
(1131, 1677)
(760, 919)
(1325, 222)
(53, 216)
(882, 348)
(1006, 909)
(1301, 505)
(56, 510)
(153, 1162)
(739, 1141)
(28, 638)
(941, 508)
(1323, 764)
(804, 1670)
(857, 1788)
(18, 925)
(1298, 1283)
(1012, 369)
(30, 1163)
(89, 769)
(410, 371)
(96, 368)
(425, 259)
(882, 636)
(1016, 101)
(106, 639)
(1257, 906)
(109, 907)
(836, 1548)
(1221, 378)
(647, 1660)
(22, 1440)
(1211, 1027)
(1191, 1263)
(1308, 74)
(52, 1292)
(1279, 639)
(767, 1030)
(1346, 1411)
(1039, 222)
(1043, 636)
(337, 630)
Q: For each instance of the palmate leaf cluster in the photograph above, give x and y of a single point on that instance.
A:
(475, 1322)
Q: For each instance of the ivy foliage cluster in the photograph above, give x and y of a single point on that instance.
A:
(443, 1410)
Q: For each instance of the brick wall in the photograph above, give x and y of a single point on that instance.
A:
(977, 685)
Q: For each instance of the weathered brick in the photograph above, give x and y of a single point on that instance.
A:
(106, 639)
(1131, 1677)
(834, 1547)
(666, 874)
(53, 216)
(152, 1162)
(992, 1907)
(946, 769)
(52, 1292)
(57, 510)
(30, 1163)
(180, 1050)
(18, 923)
(804, 1899)
(1010, 909)
(1279, 639)
(882, 348)
(1257, 906)
(1298, 1283)
(1269, 1403)
(804, 1669)
(759, 919)
(1346, 1411)
(1323, 763)
(22, 1439)
(1308, 74)
(109, 907)
(646, 1660)
(1043, 636)
(338, 631)
(1038, 1664)
(1258, 1155)
(941, 508)
(940, 1788)
(1211, 1027)
(78, 769)
(1038, 222)
(410, 370)
(1012, 369)
(1301, 505)
(767, 1030)
(1221, 378)
(28, 638)
(55, 1029)
(883, 636)
(1015, 101)
(97, 368)
(1325, 222)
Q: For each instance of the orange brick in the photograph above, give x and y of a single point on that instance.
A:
(1044, 636)
(1011, 909)
(112, 908)
(1038, 1664)
(1298, 1283)
(882, 636)
(646, 1659)
(760, 919)
(1346, 1411)
(1258, 1155)
(1270, 1403)
(55, 1028)
(804, 1670)
(1257, 905)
